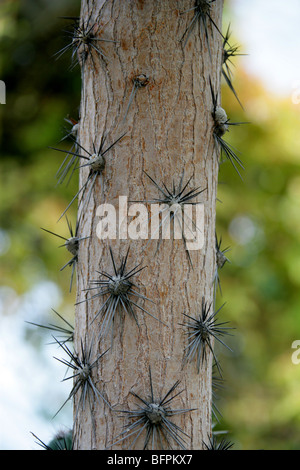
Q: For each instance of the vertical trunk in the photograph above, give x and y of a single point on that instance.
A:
(168, 130)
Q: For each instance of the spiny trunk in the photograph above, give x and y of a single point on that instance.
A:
(168, 130)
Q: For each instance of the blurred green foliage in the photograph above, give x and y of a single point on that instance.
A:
(41, 92)
(257, 217)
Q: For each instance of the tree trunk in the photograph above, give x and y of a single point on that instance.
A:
(168, 130)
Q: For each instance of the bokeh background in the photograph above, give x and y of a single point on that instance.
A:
(258, 218)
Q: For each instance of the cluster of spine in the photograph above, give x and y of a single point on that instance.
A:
(117, 289)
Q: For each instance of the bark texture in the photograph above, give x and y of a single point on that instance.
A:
(168, 130)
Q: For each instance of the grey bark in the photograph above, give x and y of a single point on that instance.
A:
(168, 129)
